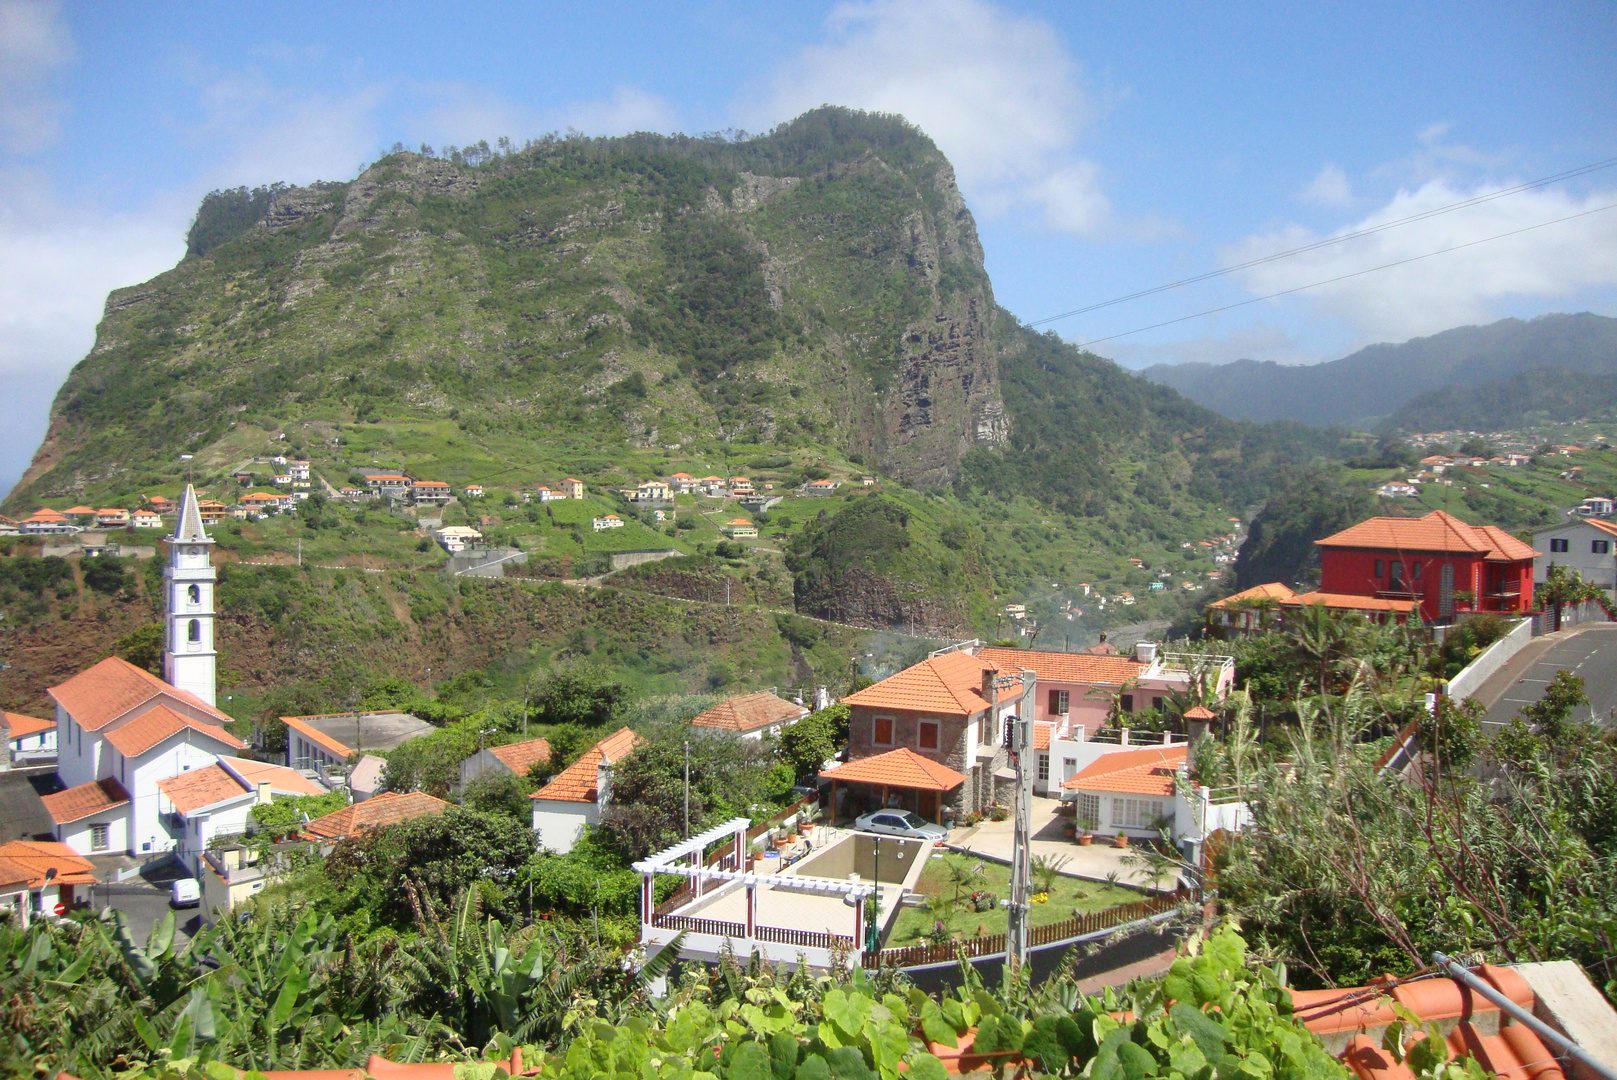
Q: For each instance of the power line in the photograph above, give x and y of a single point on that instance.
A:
(1343, 277)
(1475, 200)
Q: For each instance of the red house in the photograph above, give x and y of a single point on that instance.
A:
(1430, 559)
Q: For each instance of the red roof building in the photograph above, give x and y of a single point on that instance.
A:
(388, 808)
(1438, 560)
(751, 715)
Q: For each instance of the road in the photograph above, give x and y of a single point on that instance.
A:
(1589, 652)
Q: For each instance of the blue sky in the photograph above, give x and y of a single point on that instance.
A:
(1102, 149)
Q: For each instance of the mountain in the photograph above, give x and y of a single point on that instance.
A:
(809, 303)
(1425, 384)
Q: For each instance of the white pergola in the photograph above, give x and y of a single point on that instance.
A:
(669, 861)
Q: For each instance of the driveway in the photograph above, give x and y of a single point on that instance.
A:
(1589, 652)
(22, 814)
(1098, 862)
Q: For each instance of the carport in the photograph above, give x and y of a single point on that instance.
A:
(899, 778)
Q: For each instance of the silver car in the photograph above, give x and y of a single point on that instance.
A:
(900, 823)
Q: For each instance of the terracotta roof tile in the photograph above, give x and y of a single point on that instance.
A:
(78, 803)
(949, 685)
(1085, 668)
(282, 780)
(1437, 531)
(158, 723)
(1147, 771)
(520, 757)
(1605, 526)
(1274, 590)
(1041, 735)
(576, 783)
(388, 808)
(1200, 713)
(1350, 602)
(22, 726)
(318, 737)
(749, 713)
(902, 768)
(102, 693)
(30, 860)
(190, 791)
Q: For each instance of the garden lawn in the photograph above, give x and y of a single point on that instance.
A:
(1072, 896)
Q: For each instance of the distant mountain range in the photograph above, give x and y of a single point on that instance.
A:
(1476, 377)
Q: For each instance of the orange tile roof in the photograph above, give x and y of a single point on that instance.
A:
(45, 513)
(1200, 713)
(1147, 771)
(576, 783)
(102, 693)
(79, 510)
(1437, 531)
(1364, 1013)
(901, 768)
(431, 483)
(31, 860)
(1273, 590)
(520, 757)
(388, 808)
(193, 790)
(158, 723)
(1350, 602)
(1041, 735)
(1605, 526)
(280, 778)
(749, 713)
(22, 726)
(78, 803)
(950, 684)
(1085, 668)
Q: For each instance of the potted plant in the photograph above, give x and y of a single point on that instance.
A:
(808, 817)
(1086, 829)
(1121, 840)
(1463, 599)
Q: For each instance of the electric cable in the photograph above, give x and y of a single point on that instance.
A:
(1343, 277)
(1328, 241)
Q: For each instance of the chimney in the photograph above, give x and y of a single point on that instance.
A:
(1145, 652)
(603, 782)
(264, 791)
(989, 675)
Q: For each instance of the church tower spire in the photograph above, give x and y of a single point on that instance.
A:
(188, 653)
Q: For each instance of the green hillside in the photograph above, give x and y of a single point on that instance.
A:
(810, 303)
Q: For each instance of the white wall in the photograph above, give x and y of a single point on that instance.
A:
(1595, 569)
(76, 834)
(179, 753)
(559, 824)
(1491, 659)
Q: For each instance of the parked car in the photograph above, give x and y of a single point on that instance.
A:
(186, 892)
(900, 823)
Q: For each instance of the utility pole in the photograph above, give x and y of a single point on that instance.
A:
(687, 789)
(1019, 741)
(300, 551)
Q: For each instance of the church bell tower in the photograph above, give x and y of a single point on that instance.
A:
(188, 653)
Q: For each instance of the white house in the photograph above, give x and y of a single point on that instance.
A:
(39, 877)
(608, 521)
(1397, 490)
(1596, 506)
(120, 729)
(751, 716)
(1137, 793)
(1587, 545)
(575, 796)
(453, 538)
(218, 801)
(28, 738)
(299, 470)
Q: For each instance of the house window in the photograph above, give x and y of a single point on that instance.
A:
(1414, 569)
(882, 731)
(1135, 813)
(100, 837)
(1558, 544)
(1044, 768)
(1088, 811)
(1058, 702)
(1378, 569)
(927, 735)
(1397, 572)
(193, 631)
(194, 594)
(1128, 702)
(1600, 547)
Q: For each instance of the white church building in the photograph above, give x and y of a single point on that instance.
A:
(121, 731)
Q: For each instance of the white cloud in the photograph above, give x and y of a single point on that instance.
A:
(998, 93)
(628, 110)
(1556, 263)
(1329, 187)
(33, 44)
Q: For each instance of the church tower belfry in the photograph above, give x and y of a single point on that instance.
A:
(188, 652)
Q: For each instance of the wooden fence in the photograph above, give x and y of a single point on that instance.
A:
(715, 927)
(808, 939)
(1077, 926)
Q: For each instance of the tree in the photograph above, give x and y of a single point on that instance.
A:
(808, 744)
(1280, 542)
(499, 793)
(1549, 716)
(579, 694)
(142, 647)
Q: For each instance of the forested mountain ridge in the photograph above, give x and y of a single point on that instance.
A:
(1474, 377)
(806, 302)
